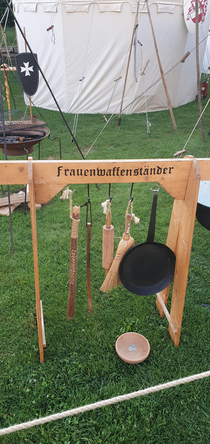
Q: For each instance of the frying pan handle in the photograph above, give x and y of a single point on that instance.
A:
(151, 231)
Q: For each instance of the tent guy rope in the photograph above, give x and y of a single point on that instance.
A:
(106, 402)
(114, 115)
(196, 124)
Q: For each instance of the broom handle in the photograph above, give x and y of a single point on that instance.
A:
(128, 218)
(73, 263)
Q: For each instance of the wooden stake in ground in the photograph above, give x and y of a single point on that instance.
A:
(112, 279)
(161, 69)
(73, 263)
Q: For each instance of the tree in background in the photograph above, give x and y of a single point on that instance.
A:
(3, 6)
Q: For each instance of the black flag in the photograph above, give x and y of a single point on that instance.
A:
(28, 73)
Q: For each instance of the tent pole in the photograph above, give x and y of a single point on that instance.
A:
(161, 69)
(198, 70)
(126, 74)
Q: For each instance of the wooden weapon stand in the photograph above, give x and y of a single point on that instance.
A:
(179, 177)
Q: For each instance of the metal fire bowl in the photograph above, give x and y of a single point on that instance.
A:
(26, 147)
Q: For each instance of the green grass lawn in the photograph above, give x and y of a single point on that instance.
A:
(81, 365)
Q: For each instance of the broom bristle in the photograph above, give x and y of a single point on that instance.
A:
(112, 279)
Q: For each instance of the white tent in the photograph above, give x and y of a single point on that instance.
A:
(83, 47)
(206, 60)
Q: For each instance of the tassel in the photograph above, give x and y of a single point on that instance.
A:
(104, 206)
(67, 193)
(136, 219)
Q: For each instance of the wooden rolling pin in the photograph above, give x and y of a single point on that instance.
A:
(108, 244)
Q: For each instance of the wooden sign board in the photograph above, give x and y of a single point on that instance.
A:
(51, 176)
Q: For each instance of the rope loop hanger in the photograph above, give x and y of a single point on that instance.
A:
(130, 204)
(106, 205)
(156, 190)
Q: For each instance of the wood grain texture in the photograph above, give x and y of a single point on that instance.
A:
(73, 263)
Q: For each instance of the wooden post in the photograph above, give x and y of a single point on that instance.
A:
(126, 74)
(183, 249)
(161, 69)
(35, 253)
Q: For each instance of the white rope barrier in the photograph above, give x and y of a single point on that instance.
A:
(196, 124)
(106, 402)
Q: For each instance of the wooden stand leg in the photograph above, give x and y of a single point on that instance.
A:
(171, 242)
(43, 330)
(35, 253)
(183, 249)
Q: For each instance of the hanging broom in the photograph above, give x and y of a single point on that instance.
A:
(112, 279)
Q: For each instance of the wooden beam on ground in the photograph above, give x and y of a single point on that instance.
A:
(16, 198)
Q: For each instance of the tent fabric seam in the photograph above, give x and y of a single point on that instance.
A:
(83, 6)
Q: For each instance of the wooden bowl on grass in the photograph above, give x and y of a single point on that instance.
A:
(132, 348)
